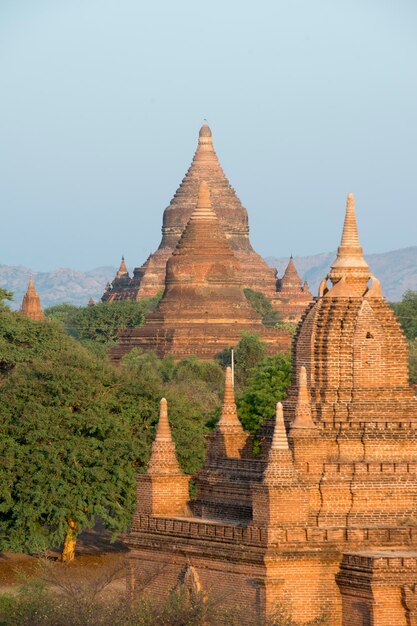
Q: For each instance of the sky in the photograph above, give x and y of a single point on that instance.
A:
(101, 102)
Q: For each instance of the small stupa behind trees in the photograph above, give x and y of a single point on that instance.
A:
(31, 303)
(203, 309)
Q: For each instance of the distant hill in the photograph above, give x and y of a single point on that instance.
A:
(62, 285)
(397, 271)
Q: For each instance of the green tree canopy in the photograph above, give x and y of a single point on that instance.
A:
(101, 323)
(67, 457)
(406, 311)
(267, 384)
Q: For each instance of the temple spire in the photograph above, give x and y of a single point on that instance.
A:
(31, 304)
(350, 266)
(229, 419)
(163, 457)
(279, 465)
(303, 418)
(279, 438)
(122, 271)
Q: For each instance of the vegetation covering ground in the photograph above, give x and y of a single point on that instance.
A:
(74, 430)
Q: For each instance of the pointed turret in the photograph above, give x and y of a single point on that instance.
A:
(163, 457)
(91, 302)
(291, 278)
(349, 264)
(303, 419)
(279, 464)
(280, 498)
(292, 297)
(31, 304)
(229, 420)
(122, 271)
(163, 490)
(228, 438)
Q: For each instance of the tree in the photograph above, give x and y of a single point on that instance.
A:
(101, 323)
(406, 311)
(66, 456)
(263, 306)
(4, 295)
(267, 384)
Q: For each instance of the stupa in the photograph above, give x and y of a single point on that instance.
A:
(203, 309)
(293, 296)
(149, 279)
(31, 303)
(324, 520)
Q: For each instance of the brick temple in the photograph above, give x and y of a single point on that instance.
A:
(203, 309)
(325, 518)
(31, 303)
(293, 296)
(149, 279)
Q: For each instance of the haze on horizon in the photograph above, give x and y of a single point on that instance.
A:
(101, 103)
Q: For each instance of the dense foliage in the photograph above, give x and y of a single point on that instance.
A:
(100, 323)
(74, 430)
(406, 312)
(263, 307)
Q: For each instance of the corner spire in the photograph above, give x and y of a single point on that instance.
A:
(303, 418)
(280, 466)
(163, 457)
(229, 420)
(279, 438)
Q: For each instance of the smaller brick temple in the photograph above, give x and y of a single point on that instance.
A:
(203, 309)
(31, 303)
(292, 296)
(324, 520)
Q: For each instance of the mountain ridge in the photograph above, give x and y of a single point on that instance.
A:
(396, 269)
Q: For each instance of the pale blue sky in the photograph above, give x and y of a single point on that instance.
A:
(101, 102)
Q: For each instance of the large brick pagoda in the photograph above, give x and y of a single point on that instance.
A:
(326, 517)
(203, 309)
(149, 279)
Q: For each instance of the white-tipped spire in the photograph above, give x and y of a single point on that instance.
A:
(279, 439)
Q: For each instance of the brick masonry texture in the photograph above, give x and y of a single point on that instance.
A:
(150, 278)
(325, 518)
(203, 309)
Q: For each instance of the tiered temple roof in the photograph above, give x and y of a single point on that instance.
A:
(149, 279)
(324, 519)
(203, 309)
(31, 303)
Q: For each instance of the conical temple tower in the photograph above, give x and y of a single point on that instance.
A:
(293, 296)
(31, 303)
(324, 519)
(203, 309)
(120, 286)
(149, 279)
(163, 490)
